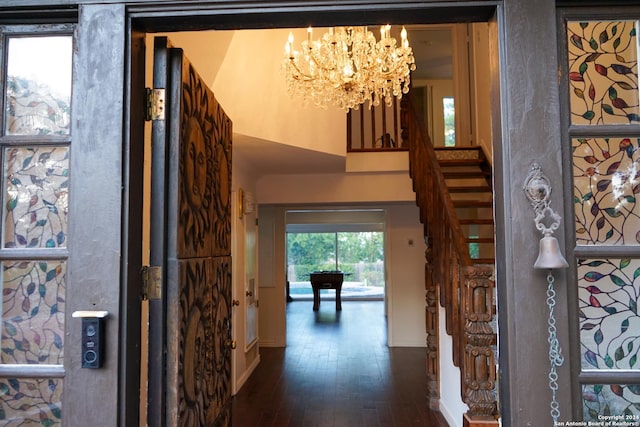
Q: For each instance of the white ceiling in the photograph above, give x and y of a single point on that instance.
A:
(432, 47)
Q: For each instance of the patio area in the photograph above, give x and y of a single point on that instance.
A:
(301, 291)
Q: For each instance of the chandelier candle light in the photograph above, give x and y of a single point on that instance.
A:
(347, 67)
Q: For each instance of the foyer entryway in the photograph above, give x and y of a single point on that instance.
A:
(337, 370)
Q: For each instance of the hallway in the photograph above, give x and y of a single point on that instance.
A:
(336, 371)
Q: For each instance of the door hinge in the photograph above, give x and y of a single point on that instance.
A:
(154, 104)
(151, 283)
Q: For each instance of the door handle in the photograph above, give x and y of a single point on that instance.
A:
(249, 293)
(236, 302)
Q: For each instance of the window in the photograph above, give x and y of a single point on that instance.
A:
(359, 255)
(449, 122)
(603, 146)
(35, 137)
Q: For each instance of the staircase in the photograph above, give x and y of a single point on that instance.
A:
(454, 194)
(467, 175)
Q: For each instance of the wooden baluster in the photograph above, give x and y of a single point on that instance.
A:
(479, 373)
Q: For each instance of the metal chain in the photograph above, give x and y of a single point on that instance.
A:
(555, 352)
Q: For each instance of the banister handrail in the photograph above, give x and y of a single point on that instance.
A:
(423, 138)
(463, 286)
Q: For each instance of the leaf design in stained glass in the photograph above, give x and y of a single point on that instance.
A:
(611, 399)
(38, 85)
(36, 197)
(603, 72)
(606, 179)
(31, 402)
(608, 293)
(33, 304)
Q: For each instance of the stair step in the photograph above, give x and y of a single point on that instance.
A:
(469, 189)
(473, 204)
(480, 240)
(483, 260)
(446, 163)
(476, 221)
(465, 174)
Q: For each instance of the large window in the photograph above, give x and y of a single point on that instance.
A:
(360, 255)
(34, 142)
(603, 146)
(348, 241)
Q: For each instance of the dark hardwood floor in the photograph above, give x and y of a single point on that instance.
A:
(336, 371)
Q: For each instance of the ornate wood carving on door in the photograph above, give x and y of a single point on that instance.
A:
(198, 255)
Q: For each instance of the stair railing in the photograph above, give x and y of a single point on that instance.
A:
(463, 288)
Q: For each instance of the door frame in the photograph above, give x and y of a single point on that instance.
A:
(517, 121)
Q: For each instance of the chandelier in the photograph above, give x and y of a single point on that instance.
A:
(348, 67)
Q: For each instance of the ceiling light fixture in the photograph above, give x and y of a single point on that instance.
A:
(347, 67)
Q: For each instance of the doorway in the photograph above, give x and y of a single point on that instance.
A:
(403, 238)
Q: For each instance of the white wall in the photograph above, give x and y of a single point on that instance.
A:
(245, 357)
(405, 276)
(451, 404)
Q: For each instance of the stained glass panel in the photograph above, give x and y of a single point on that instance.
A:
(38, 86)
(36, 198)
(606, 177)
(618, 400)
(608, 293)
(603, 72)
(33, 305)
(30, 402)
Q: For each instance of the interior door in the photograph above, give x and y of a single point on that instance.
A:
(190, 321)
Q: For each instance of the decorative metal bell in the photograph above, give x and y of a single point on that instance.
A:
(550, 256)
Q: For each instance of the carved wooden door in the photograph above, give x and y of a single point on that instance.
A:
(190, 322)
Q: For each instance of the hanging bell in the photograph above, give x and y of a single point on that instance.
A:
(550, 256)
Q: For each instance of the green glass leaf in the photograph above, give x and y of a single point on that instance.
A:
(598, 337)
(636, 273)
(608, 361)
(597, 389)
(607, 108)
(616, 43)
(610, 310)
(593, 44)
(619, 354)
(630, 347)
(10, 329)
(633, 306)
(633, 117)
(617, 280)
(55, 410)
(613, 212)
(51, 274)
(630, 199)
(632, 361)
(583, 68)
(42, 290)
(43, 266)
(613, 94)
(26, 162)
(624, 326)
(11, 204)
(50, 243)
(597, 264)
